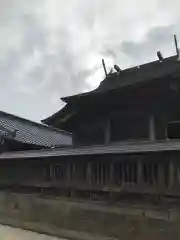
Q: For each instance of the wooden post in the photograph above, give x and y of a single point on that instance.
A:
(102, 177)
(51, 171)
(166, 132)
(171, 173)
(89, 171)
(73, 171)
(152, 135)
(47, 172)
(139, 172)
(74, 138)
(161, 176)
(68, 176)
(112, 180)
(107, 132)
(97, 174)
(123, 173)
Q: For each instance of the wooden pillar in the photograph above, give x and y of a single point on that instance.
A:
(68, 172)
(171, 173)
(139, 172)
(73, 171)
(51, 171)
(112, 180)
(101, 165)
(123, 172)
(152, 134)
(74, 138)
(161, 175)
(107, 132)
(166, 132)
(89, 173)
(30, 174)
(97, 173)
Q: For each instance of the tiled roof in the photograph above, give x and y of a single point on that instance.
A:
(132, 76)
(127, 77)
(29, 132)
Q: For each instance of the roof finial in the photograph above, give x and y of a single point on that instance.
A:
(104, 66)
(111, 71)
(176, 45)
(117, 68)
(160, 56)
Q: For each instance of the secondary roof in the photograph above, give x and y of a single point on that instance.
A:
(30, 132)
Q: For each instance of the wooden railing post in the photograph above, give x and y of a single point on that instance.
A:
(152, 134)
(74, 171)
(51, 171)
(101, 168)
(171, 174)
(161, 175)
(112, 180)
(97, 173)
(107, 132)
(89, 173)
(123, 173)
(139, 172)
(68, 176)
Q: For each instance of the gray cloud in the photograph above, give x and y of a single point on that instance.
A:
(53, 48)
(158, 38)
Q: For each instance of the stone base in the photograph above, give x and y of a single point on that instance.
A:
(85, 220)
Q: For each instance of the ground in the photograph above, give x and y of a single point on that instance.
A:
(9, 233)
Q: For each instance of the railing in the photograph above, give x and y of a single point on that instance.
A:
(155, 173)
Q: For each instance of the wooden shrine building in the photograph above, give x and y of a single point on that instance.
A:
(126, 138)
(123, 162)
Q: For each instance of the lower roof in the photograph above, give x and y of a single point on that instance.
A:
(30, 132)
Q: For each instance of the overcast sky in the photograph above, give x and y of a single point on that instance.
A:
(53, 48)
